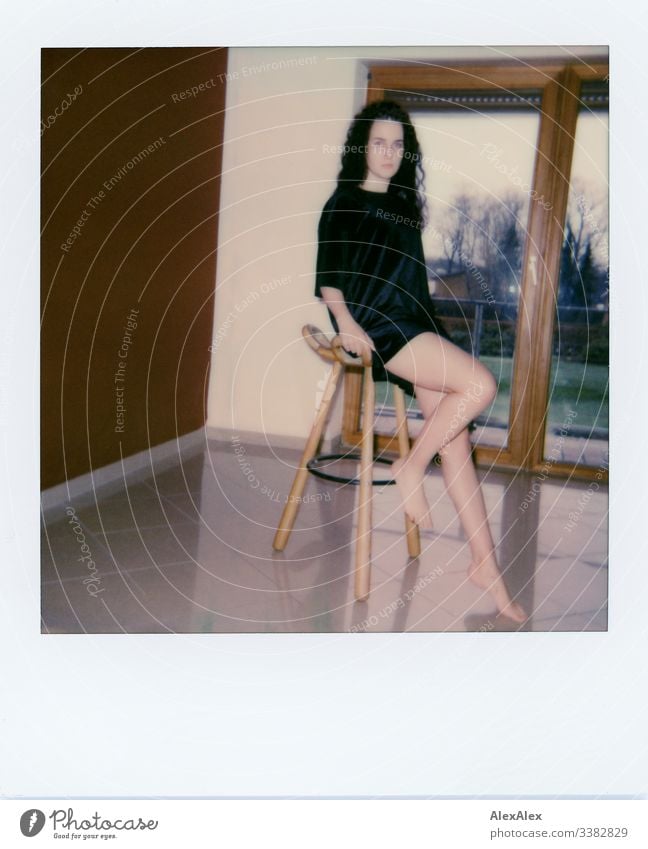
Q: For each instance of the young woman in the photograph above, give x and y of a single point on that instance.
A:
(371, 274)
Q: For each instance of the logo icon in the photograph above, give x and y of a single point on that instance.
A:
(31, 822)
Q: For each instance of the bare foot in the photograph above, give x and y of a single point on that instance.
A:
(410, 483)
(487, 577)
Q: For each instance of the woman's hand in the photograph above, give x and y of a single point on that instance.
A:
(353, 338)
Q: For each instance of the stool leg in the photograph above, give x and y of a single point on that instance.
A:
(363, 538)
(411, 528)
(297, 489)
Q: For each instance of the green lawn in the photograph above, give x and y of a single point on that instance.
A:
(575, 386)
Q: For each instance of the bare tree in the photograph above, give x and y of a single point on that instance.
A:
(584, 258)
(587, 220)
(455, 228)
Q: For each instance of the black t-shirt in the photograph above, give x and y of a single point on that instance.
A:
(370, 248)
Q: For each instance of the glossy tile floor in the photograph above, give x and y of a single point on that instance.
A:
(189, 550)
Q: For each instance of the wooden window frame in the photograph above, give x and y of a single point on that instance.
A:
(560, 86)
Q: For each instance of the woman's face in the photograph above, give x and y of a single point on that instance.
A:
(384, 149)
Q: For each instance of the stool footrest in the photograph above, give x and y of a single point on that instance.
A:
(312, 467)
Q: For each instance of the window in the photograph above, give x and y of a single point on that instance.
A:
(498, 144)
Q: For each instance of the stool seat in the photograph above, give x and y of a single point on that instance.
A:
(333, 352)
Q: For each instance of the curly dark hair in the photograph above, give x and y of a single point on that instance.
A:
(408, 180)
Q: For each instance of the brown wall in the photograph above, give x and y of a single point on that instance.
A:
(147, 244)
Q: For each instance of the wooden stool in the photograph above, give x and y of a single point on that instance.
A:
(333, 352)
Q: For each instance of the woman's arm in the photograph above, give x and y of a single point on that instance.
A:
(353, 337)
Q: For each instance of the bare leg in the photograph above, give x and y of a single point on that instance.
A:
(433, 363)
(463, 487)
(461, 482)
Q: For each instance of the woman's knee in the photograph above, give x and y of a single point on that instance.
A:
(458, 448)
(483, 387)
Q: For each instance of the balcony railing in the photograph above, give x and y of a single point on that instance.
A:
(486, 328)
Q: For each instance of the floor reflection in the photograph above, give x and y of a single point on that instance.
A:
(189, 550)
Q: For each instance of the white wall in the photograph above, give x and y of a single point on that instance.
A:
(276, 177)
(277, 174)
